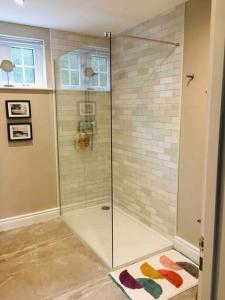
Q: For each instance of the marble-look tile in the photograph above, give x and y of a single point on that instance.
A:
(102, 289)
(44, 260)
(106, 290)
(26, 238)
(47, 261)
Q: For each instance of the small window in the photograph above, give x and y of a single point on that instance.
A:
(28, 58)
(70, 70)
(24, 72)
(100, 67)
(73, 68)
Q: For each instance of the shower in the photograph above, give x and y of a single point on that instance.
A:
(117, 160)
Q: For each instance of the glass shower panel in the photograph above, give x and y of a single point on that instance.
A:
(145, 137)
(84, 144)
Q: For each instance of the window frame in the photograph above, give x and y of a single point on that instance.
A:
(70, 70)
(99, 87)
(40, 69)
(23, 66)
(85, 55)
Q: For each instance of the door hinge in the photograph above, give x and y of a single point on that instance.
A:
(201, 247)
(201, 243)
(200, 263)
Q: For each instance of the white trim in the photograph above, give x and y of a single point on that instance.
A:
(19, 88)
(28, 219)
(186, 248)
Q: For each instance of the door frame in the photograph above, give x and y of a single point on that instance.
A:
(216, 63)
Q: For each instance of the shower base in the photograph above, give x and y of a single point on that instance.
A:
(131, 238)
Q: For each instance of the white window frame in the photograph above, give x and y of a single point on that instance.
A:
(38, 47)
(98, 86)
(23, 66)
(70, 70)
(85, 55)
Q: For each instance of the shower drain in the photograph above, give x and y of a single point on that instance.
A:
(105, 207)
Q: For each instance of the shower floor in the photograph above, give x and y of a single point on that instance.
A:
(132, 239)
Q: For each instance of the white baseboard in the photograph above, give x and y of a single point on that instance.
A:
(28, 219)
(187, 249)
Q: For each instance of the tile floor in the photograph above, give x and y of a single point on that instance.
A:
(46, 261)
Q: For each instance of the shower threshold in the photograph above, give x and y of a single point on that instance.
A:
(132, 239)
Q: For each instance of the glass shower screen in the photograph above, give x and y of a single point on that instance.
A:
(115, 189)
(84, 143)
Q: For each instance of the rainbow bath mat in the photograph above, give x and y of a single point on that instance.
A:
(162, 277)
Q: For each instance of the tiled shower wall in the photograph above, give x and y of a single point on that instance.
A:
(84, 175)
(63, 42)
(146, 114)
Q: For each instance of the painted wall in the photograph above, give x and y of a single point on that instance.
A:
(146, 115)
(28, 180)
(193, 119)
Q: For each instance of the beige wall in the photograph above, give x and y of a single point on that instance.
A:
(215, 84)
(28, 170)
(193, 119)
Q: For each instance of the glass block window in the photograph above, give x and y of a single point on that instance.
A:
(100, 67)
(70, 70)
(29, 59)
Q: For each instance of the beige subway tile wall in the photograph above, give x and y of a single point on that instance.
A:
(84, 175)
(146, 119)
(63, 42)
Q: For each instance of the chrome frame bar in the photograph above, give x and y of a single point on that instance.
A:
(150, 39)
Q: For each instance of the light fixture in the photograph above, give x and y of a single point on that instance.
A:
(20, 2)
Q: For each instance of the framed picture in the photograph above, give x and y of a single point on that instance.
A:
(18, 109)
(87, 108)
(20, 132)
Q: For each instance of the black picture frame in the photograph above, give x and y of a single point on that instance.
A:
(20, 136)
(19, 115)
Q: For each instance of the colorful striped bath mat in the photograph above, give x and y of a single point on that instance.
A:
(162, 277)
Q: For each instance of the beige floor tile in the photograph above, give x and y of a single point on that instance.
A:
(46, 262)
